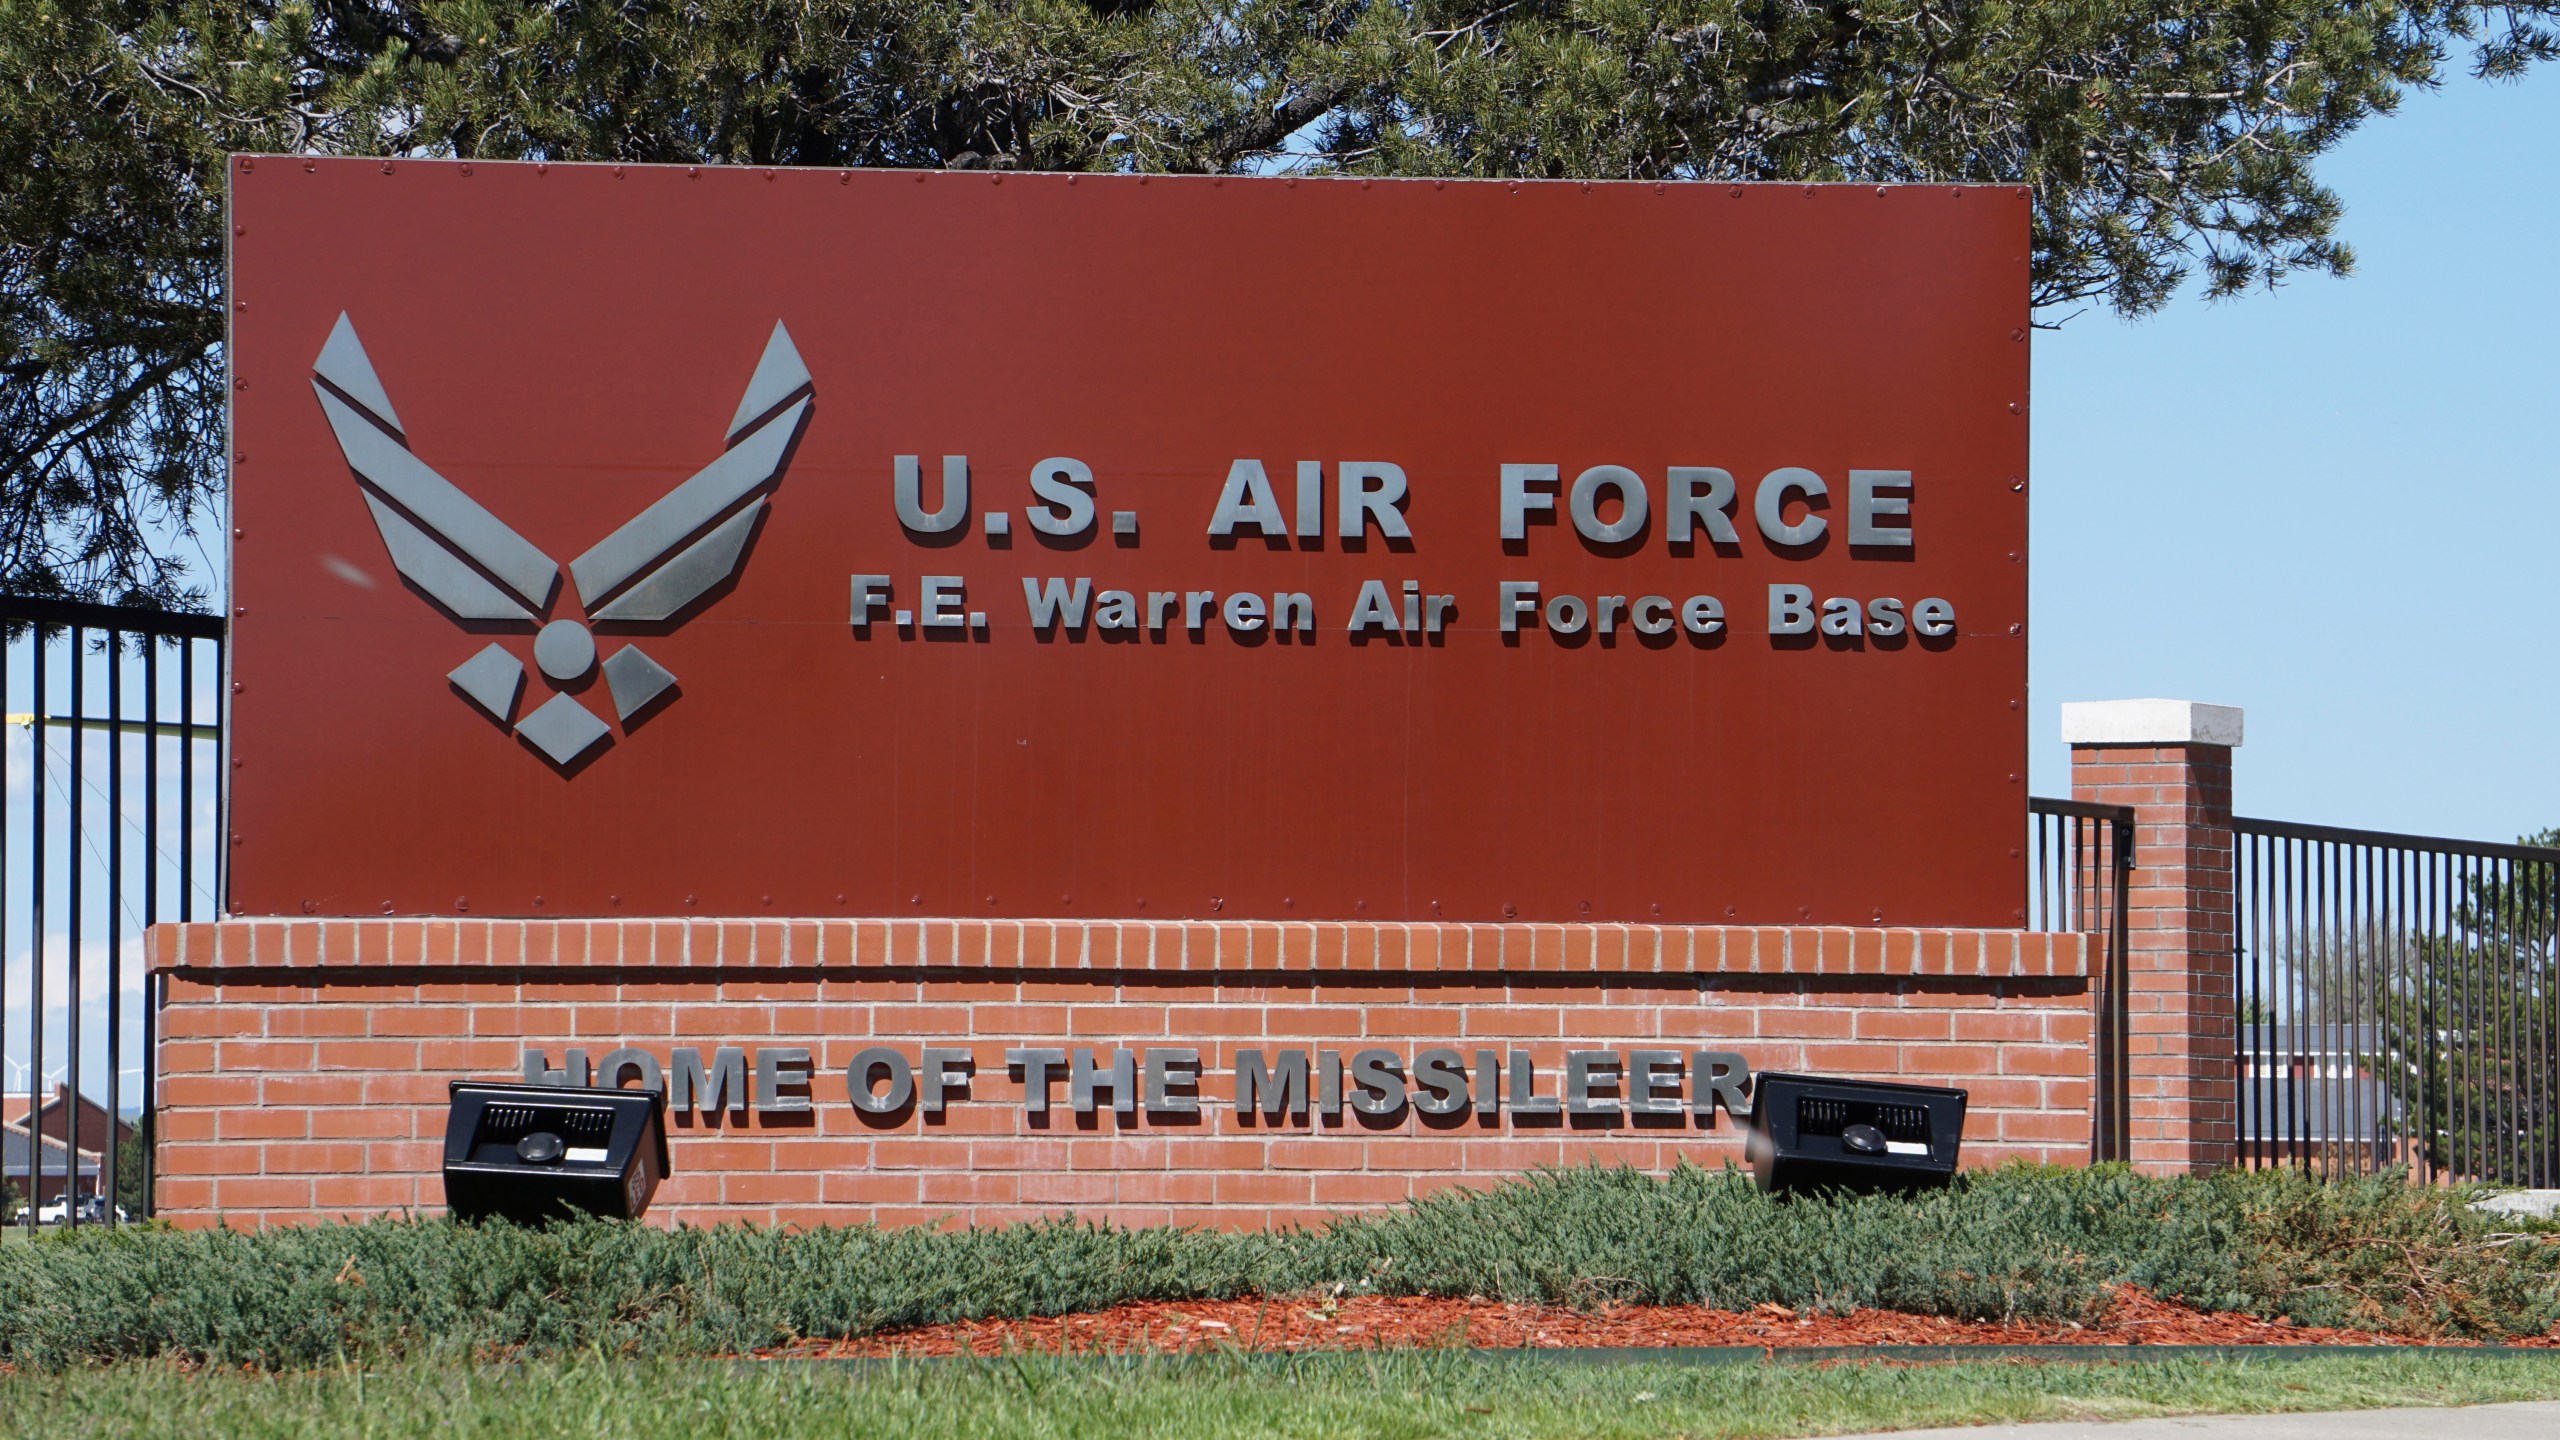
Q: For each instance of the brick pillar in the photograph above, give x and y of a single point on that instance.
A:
(2171, 761)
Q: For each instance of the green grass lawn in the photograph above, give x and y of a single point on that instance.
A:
(1326, 1398)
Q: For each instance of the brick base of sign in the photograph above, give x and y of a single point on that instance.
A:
(304, 1063)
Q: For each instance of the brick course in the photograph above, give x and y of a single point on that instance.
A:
(304, 1063)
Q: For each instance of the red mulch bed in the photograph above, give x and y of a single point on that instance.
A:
(1367, 1322)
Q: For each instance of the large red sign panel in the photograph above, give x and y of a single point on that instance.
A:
(651, 541)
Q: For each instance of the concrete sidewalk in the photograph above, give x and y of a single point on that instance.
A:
(2532, 1420)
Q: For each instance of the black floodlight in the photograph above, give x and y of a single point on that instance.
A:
(1813, 1133)
(530, 1153)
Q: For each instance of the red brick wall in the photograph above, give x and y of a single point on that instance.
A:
(304, 1063)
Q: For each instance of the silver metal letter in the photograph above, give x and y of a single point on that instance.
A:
(1053, 603)
(1518, 499)
(1067, 508)
(1375, 606)
(1648, 1072)
(609, 1070)
(1310, 499)
(1377, 1082)
(1525, 1099)
(907, 489)
(1165, 1069)
(1719, 1077)
(1584, 1072)
(1277, 1092)
(870, 592)
(1038, 1068)
(944, 604)
(1686, 507)
(1247, 499)
(1865, 505)
(1369, 491)
(1934, 618)
(1519, 597)
(1769, 506)
(938, 1073)
(690, 1086)
(857, 1080)
(1633, 505)
(1790, 610)
(1441, 1075)
(776, 1067)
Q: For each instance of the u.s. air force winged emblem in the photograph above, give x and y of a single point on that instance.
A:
(472, 565)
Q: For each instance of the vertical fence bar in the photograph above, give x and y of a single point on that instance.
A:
(2545, 1056)
(2430, 1027)
(150, 1097)
(2545, 1013)
(187, 779)
(74, 807)
(36, 938)
(8, 651)
(2305, 985)
(2368, 1055)
(2261, 979)
(2384, 987)
(2325, 1034)
(2448, 1012)
(2244, 998)
(2488, 924)
(2459, 1025)
(107, 1156)
(221, 777)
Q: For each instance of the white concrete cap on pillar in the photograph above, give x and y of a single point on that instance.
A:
(2150, 722)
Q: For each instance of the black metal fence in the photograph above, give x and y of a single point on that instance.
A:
(113, 770)
(2081, 853)
(2396, 1003)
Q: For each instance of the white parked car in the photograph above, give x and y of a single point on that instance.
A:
(93, 1209)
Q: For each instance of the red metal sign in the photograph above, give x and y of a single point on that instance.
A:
(628, 540)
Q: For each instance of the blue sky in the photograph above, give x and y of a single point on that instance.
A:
(2333, 505)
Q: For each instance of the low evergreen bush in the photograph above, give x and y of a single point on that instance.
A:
(2014, 1242)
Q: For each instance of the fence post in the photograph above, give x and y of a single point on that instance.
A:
(2171, 761)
